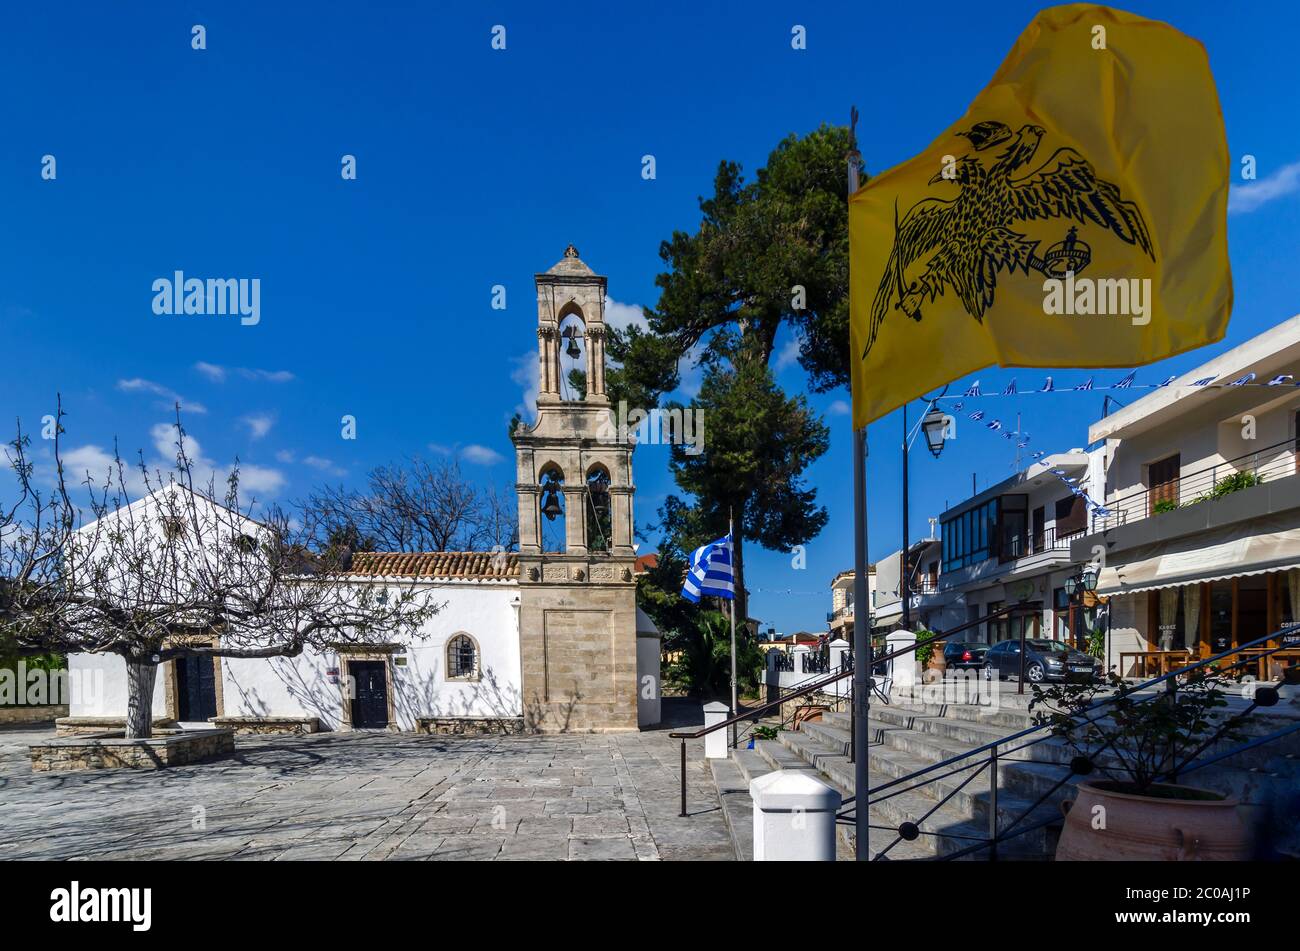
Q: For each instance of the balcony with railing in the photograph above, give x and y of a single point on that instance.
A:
(1205, 485)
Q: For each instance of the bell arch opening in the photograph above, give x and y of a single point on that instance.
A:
(554, 517)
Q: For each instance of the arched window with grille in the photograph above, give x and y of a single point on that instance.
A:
(462, 658)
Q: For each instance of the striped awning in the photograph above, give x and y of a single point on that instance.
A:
(1211, 556)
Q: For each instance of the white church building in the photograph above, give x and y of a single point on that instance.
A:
(548, 638)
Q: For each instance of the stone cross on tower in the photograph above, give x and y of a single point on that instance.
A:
(577, 615)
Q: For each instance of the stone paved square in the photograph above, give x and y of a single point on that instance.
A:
(374, 796)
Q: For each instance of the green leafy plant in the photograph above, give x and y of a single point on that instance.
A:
(1164, 505)
(1148, 738)
(925, 651)
(764, 732)
(1229, 484)
(1097, 642)
(703, 666)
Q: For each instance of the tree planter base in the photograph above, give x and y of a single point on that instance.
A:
(114, 751)
(94, 726)
(1106, 825)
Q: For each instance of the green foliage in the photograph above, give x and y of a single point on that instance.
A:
(1097, 643)
(727, 289)
(925, 651)
(1151, 736)
(765, 732)
(1229, 484)
(10, 661)
(1225, 486)
(756, 242)
(758, 442)
(704, 666)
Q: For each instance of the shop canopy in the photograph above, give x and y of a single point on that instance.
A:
(1232, 552)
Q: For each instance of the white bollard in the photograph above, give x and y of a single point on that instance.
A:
(794, 817)
(715, 743)
(903, 669)
(838, 648)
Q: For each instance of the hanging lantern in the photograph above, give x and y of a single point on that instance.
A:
(934, 424)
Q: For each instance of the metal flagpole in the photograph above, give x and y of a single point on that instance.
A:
(731, 532)
(861, 606)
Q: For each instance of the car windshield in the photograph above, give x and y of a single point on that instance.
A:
(1048, 647)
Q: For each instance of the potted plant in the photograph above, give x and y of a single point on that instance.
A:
(929, 657)
(1135, 809)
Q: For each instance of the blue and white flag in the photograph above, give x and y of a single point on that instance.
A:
(1126, 383)
(711, 573)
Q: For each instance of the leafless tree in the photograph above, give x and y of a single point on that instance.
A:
(185, 569)
(413, 506)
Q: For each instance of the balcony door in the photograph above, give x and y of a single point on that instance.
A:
(1162, 480)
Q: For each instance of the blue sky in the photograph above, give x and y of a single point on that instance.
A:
(475, 168)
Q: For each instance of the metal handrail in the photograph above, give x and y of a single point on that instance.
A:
(1135, 506)
(1075, 766)
(813, 687)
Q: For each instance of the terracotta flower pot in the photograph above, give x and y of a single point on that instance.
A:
(1128, 827)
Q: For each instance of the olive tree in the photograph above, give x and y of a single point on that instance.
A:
(182, 568)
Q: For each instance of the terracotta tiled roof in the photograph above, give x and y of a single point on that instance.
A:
(436, 564)
(646, 562)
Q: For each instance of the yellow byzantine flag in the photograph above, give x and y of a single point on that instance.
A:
(1075, 217)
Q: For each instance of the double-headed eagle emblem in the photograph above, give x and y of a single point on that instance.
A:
(965, 241)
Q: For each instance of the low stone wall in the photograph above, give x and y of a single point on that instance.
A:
(85, 726)
(469, 726)
(32, 714)
(260, 725)
(113, 751)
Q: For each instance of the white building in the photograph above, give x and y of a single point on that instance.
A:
(549, 638)
(1011, 543)
(462, 672)
(1202, 549)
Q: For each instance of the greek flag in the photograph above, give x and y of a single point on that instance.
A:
(710, 573)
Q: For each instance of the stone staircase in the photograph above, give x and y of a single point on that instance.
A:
(909, 735)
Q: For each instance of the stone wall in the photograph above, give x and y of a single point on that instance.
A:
(83, 726)
(264, 725)
(113, 751)
(32, 714)
(469, 726)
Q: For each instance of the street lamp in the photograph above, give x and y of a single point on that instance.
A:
(934, 424)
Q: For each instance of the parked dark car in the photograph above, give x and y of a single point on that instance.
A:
(959, 656)
(1044, 661)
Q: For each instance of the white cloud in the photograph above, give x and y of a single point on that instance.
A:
(260, 479)
(475, 453)
(621, 316)
(284, 455)
(93, 463)
(213, 372)
(481, 455)
(788, 354)
(839, 408)
(324, 465)
(1285, 181)
(256, 479)
(259, 424)
(217, 373)
(527, 374)
(170, 397)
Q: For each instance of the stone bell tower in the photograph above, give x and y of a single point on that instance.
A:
(577, 613)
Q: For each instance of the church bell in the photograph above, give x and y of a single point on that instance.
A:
(572, 351)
